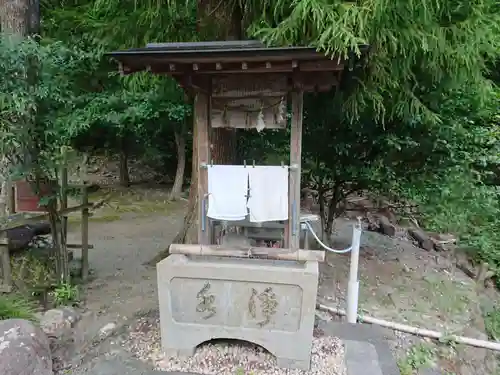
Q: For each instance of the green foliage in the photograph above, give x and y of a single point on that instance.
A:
(492, 324)
(417, 47)
(33, 271)
(463, 198)
(121, 24)
(66, 294)
(39, 90)
(121, 114)
(16, 307)
(418, 357)
(136, 113)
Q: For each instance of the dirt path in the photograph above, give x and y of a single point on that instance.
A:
(121, 286)
(121, 281)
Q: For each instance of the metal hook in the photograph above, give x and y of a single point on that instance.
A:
(244, 163)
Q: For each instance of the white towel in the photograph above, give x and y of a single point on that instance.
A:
(227, 192)
(268, 199)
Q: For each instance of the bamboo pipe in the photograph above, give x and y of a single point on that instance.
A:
(270, 253)
(492, 345)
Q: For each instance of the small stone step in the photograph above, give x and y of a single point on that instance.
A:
(361, 358)
(122, 365)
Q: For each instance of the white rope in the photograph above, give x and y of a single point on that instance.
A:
(308, 225)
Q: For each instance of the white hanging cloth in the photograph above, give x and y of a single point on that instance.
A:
(268, 199)
(227, 192)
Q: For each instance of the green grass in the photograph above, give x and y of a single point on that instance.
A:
(106, 218)
(492, 323)
(418, 357)
(16, 307)
(125, 202)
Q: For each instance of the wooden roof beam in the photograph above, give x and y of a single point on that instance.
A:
(302, 81)
(246, 67)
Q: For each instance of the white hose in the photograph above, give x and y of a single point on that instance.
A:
(308, 225)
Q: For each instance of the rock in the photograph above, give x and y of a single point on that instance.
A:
(373, 225)
(20, 237)
(439, 246)
(422, 238)
(386, 227)
(107, 330)
(443, 242)
(57, 322)
(117, 363)
(60, 325)
(450, 238)
(24, 349)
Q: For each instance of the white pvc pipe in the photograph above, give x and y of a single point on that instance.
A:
(353, 284)
(492, 345)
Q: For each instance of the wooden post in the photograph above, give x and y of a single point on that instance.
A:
(201, 113)
(85, 222)
(4, 242)
(64, 194)
(11, 199)
(293, 225)
(6, 286)
(64, 218)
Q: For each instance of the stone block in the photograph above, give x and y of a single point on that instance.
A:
(361, 356)
(265, 302)
(24, 349)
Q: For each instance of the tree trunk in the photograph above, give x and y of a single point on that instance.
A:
(332, 209)
(189, 231)
(33, 17)
(222, 141)
(223, 145)
(180, 143)
(14, 16)
(330, 217)
(124, 175)
(228, 22)
(322, 214)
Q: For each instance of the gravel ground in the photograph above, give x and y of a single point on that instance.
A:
(227, 358)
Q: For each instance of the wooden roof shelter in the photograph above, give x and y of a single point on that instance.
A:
(226, 76)
(192, 63)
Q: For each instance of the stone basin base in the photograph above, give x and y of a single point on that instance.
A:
(269, 303)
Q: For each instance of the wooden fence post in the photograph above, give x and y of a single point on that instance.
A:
(85, 222)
